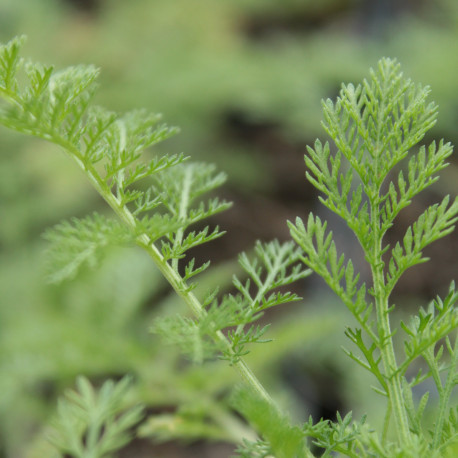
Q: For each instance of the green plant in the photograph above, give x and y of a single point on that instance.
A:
(90, 424)
(160, 206)
(374, 127)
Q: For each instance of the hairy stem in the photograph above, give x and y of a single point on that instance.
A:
(386, 422)
(381, 296)
(393, 376)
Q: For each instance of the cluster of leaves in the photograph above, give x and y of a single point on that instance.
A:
(343, 436)
(157, 200)
(274, 266)
(280, 439)
(374, 127)
(79, 241)
(56, 106)
(92, 424)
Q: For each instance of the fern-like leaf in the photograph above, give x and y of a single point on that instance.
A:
(94, 424)
(81, 241)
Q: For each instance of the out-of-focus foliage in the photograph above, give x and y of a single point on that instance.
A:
(208, 66)
(244, 80)
(90, 423)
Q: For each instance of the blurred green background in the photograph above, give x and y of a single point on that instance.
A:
(243, 79)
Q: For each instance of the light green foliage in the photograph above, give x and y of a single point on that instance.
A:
(156, 199)
(281, 439)
(200, 417)
(92, 424)
(258, 449)
(275, 265)
(343, 436)
(56, 106)
(158, 213)
(235, 313)
(77, 242)
(367, 182)
(161, 203)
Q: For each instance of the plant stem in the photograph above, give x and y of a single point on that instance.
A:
(144, 241)
(194, 304)
(166, 269)
(178, 284)
(386, 423)
(393, 376)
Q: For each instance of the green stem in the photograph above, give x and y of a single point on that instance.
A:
(194, 304)
(177, 283)
(386, 423)
(234, 426)
(143, 240)
(167, 271)
(393, 376)
(93, 436)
